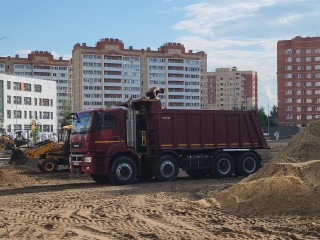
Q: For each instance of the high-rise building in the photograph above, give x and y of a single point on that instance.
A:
(298, 75)
(109, 73)
(41, 65)
(229, 88)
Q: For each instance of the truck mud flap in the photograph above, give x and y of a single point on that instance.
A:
(18, 158)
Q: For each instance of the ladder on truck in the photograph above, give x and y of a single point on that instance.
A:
(152, 134)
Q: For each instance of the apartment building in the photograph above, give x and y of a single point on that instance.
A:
(298, 79)
(23, 99)
(230, 88)
(109, 73)
(41, 65)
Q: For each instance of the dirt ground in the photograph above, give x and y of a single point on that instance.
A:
(34, 205)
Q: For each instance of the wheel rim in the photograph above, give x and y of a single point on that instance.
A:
(49, 167)
(167, 168)
(124, 171)
(224, 166)
(249, 164)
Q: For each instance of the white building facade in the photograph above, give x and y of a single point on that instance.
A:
(25, 99)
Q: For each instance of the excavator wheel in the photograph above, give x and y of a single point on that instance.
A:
(49, 165)
(18, 158)
(2, 146)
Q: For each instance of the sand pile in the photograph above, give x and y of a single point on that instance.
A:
(14, 178)
(288, 184)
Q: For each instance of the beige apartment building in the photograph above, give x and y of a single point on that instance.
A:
(109, 73)
(230, 88)
(41, 65)
(298, 78)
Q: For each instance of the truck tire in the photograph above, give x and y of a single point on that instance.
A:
(248, 163)
(50, 165)
(222, 166)
(166, 168)
(197, 173)
(100, 178)
(123, 171)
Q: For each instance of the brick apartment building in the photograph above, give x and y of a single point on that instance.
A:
(109, 73)
(41, 65)
(298, 76)
(229, 88)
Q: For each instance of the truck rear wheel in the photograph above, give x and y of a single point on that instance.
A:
(49, 165)
(197, 173)
(100, 178)
(166, 168)
(223, 166)
(123, 171)
(248, 163)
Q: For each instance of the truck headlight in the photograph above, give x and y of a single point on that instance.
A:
(87, 159)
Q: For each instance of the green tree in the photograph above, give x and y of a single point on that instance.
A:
(273, 118)
(262, 118)
(66, 110)
(34, 133)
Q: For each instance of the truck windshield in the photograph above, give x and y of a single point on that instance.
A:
(83, 124)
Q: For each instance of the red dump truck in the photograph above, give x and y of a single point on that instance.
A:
(140, 140)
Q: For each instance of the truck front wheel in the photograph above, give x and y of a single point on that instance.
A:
(166, 168)
(222, 166)
(248, 163)
(123, 171)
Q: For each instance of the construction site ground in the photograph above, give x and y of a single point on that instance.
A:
(59, 205)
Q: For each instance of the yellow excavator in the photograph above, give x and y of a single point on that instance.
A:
(7, 142)
(51, 154)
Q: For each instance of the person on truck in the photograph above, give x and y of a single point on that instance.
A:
(153, 92)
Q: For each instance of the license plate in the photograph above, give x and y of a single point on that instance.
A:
(76, 163)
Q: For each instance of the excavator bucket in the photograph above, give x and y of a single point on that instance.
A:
(18, 157)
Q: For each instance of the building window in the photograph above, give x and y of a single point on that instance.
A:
(288, 68)
(298, 51)
(37, 88)
(308, 100)
(308, 84)
(25, 114)
(298, 100)
(317, 75)
(298, 59)
(288, 92)
(27, 100)
(308, 67)
(27, 87)
(17, 114)
(298, 117)
(309, 117)
(288, 51)
(298, 84)
(298, 92)
(8, 113)
(309, 109)
(9, 99)
(288, 100)
(309, 75)
(8, 85)
(298, 67)
(298, 109)
(298, 75)
(288, 75)
(35, 101)
(317, 59)
(30, 114)
(317, 50)
(288, 84)
(17, 86)
(308, 51)
(289, 59)
(308, 92)
(17, 100)
(308, 59)
(317, 84)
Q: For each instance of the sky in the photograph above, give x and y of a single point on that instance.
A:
(236, 33)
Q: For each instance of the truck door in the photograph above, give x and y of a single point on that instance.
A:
(109, 131)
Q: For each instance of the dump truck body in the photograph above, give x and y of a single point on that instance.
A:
(139, 139)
